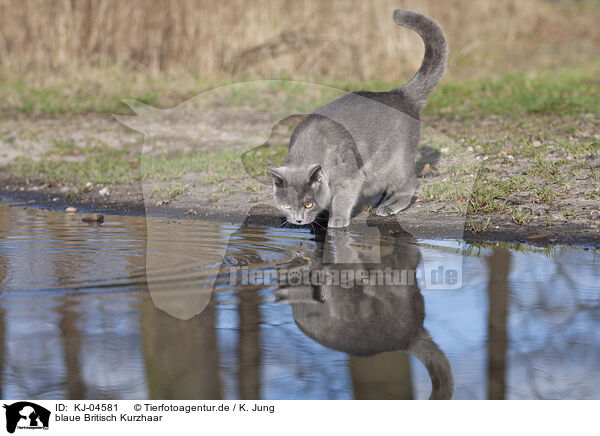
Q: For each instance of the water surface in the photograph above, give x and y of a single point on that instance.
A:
(77, 319)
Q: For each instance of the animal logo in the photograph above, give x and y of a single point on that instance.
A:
(24, 414)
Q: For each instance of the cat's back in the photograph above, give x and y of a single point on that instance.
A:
(369, 116)
(372, 127)
(370, 103)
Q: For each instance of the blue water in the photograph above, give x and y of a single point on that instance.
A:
(77, 318)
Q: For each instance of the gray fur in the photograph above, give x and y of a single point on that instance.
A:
(366, 319)
(362, 145)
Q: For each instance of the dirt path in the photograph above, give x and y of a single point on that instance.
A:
(496, 178)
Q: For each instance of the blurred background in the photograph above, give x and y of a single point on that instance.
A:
(86, 43)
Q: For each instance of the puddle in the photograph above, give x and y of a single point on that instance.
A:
(79, 316)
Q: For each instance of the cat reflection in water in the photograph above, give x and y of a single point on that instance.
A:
(366, 317)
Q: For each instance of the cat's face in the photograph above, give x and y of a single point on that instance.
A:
(301, 193)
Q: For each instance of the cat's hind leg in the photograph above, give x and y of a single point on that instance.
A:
(398, 200)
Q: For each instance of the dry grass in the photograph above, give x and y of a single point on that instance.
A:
(342, 39)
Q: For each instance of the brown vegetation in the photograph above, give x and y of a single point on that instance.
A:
(349, 39)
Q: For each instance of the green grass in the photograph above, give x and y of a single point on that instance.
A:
(168, 192)
(99, 165)
(488, 195)
(595, 193)
(218, 165)
(443, 191)
(253, 187)
(521, 216)
(93, 92)
(106, 165)
(258, 160)
(477, 227)
(566, 92)
(544, 195)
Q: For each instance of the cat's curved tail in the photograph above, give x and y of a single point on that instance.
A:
(434, 62)
(438, 367)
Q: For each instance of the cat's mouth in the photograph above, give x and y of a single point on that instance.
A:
(299, 222)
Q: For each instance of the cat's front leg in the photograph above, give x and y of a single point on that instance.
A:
(341, 210)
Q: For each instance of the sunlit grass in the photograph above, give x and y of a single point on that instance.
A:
(565, 92)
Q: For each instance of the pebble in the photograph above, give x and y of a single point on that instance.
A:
(56, 199)
(192, 212)
(71, 209)
(105, 192)
(538, 236)
(95, 218)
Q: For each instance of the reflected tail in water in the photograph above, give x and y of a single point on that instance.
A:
(438, 367)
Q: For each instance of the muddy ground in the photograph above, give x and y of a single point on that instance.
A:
(534, 178)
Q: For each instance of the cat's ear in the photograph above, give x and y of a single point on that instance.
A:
(278, 177)
(315, 175)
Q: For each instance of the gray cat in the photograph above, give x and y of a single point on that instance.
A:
(361, 147)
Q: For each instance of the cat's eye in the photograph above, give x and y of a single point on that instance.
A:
(308, 205)
(287, 206)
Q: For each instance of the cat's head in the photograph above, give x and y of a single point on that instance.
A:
(301, 193)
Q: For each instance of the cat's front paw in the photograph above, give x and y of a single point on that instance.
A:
(338, 222)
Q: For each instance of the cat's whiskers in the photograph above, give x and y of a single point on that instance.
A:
(316, 222)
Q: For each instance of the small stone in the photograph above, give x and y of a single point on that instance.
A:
(64, 189)
(89, 184)
(55, 199)
(536, 143)
(71, 209)
(95, 218)
(192, 212)
(105, 192)
(537, 236)
(31, 201)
